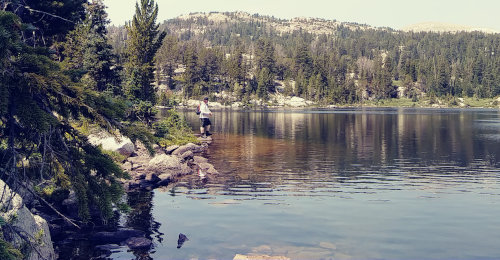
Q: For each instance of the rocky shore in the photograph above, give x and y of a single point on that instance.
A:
(29, 220)
(148, 172)
(165, 166)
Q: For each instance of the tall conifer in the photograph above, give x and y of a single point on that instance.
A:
(144, 39)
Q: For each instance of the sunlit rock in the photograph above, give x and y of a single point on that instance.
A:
(24, 221)
(122, 145)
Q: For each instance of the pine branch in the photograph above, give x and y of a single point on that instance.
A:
(44, 13)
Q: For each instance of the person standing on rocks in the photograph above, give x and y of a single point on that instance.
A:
(205, 113)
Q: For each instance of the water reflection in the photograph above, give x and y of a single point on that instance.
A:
(337, 141)
(363, 184)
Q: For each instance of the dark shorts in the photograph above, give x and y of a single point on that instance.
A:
(205, 122)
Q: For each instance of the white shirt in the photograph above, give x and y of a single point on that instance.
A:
(205, 112)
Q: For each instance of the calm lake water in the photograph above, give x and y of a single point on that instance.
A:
(343, 184)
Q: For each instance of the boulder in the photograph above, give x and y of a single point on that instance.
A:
(24, 221)
(138, 243)
(188, 147)
(122, 145)
(161, 163)
(187, 155)
(207, 168)
(199, 159)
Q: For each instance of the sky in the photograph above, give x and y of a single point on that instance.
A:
(381, 13)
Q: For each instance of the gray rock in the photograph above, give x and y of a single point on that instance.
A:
(171, 148)
(161, 163)
(185, 170)
(188, 147)
(187, 155)
(141, 150)
(182, 238)
(199, 159)
(138, 243)
(208, 168)
(122, 145)
(127, 166)
(25, 221)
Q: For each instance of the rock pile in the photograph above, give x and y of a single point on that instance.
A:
(149, 172)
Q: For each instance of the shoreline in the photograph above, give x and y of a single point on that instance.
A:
(301, 104)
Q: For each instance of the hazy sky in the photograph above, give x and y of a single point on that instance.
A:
(391, 13)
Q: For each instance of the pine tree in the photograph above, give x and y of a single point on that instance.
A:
(144, 39)
(265, 82)
(167, 58)
(88, 56)
(37, 102)
(192, 73)
(98, 58)
(303, 60)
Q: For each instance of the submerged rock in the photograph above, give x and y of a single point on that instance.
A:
(259, 257)
(208, 168)
(116, 237)
(139, 243)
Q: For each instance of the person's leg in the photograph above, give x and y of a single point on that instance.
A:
(202, 127)
(207, 127)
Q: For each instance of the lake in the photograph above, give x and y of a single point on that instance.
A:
(345, 184)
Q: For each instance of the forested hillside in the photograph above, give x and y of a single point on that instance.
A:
(320, 60)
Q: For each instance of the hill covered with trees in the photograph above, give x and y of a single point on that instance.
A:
(329, 62)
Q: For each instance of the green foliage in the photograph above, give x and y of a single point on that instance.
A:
(139, 131)
(173, 129)
(38, 101)
(167, 99)
(458, 64)
(47, 21)
(9, 252)
(143, 42)
(143, 111)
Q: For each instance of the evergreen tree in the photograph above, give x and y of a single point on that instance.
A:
(303, 60)
(144, 39)
(98, 58)
(37, 101)
(167, 58)
(191, 75)
(236, 65)
(264, 55)
(265, 82)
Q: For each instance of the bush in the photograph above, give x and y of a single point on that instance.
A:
(173, 130)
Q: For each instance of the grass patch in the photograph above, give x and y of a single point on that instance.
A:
(173, 130)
